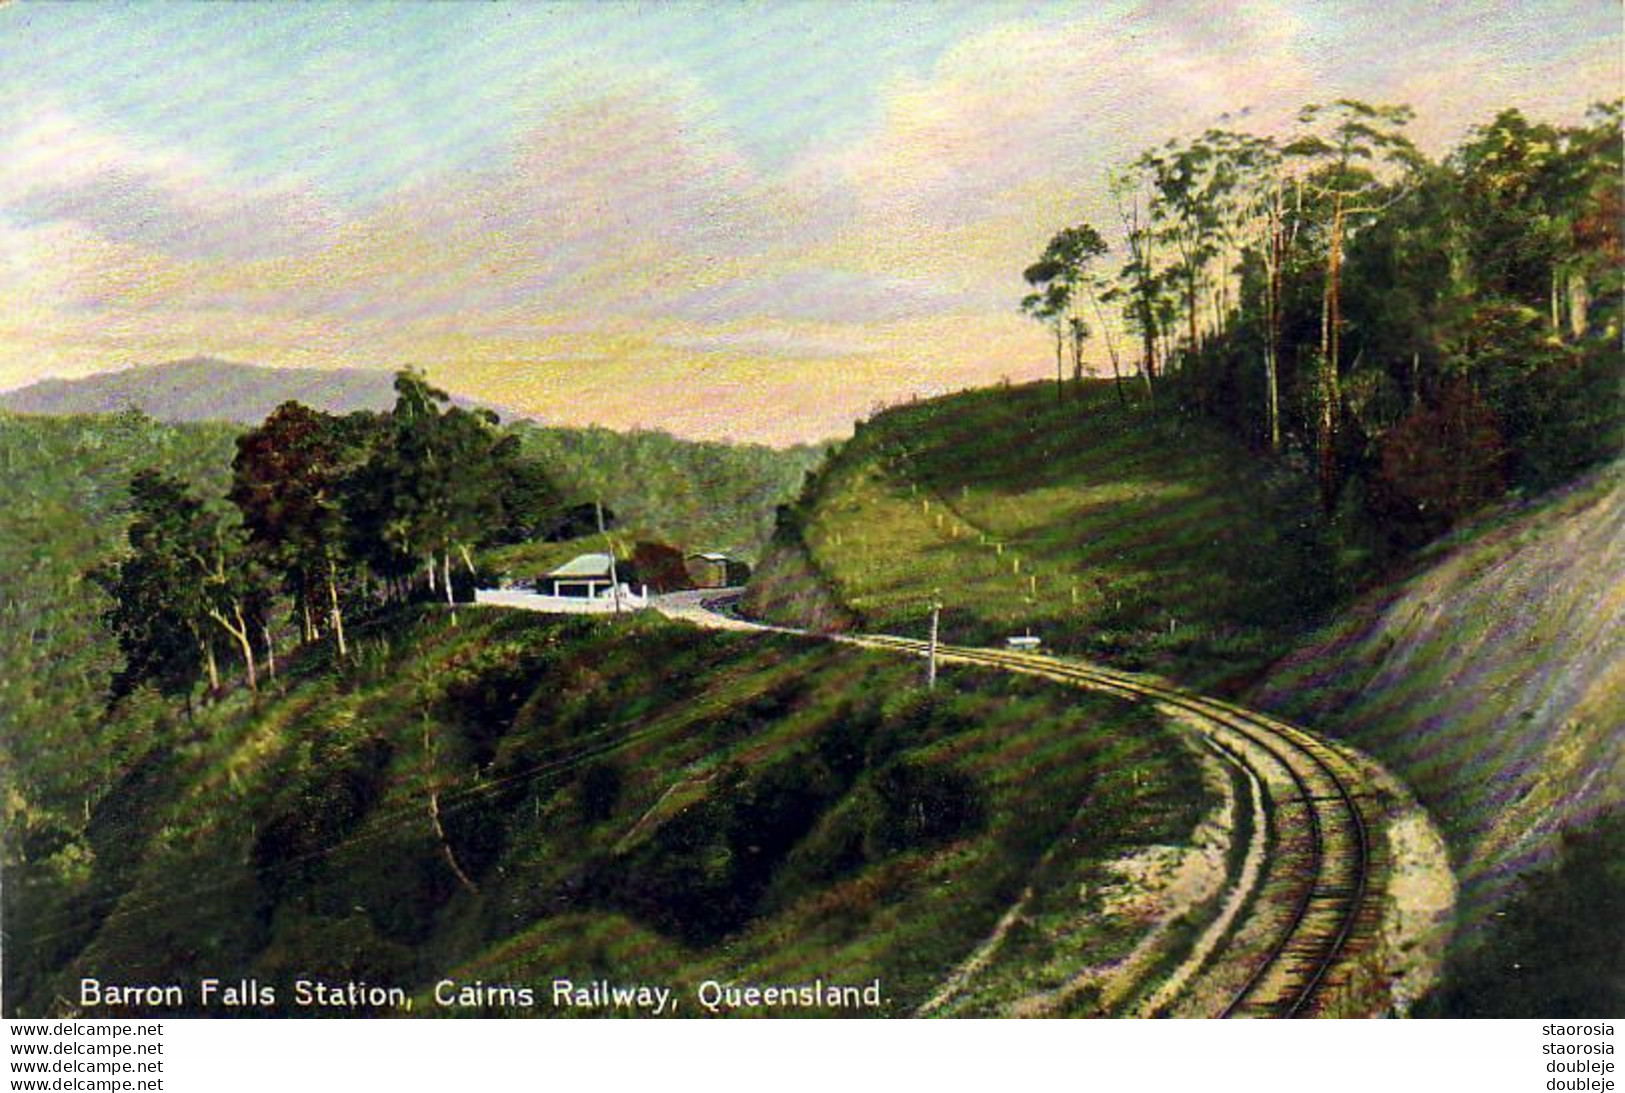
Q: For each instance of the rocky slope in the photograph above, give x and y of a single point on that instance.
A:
(1493, 682)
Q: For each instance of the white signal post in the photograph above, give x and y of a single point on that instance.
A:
(931, 658)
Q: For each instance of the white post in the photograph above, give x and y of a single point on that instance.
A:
(614, 577)
(931, 659)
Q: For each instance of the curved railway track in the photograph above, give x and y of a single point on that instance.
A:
(1322, 865)
(1306, 915)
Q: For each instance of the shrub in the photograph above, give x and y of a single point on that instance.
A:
(598, 791)
(660, 566)
(1441, 463)
(922, 805)
(483, 692)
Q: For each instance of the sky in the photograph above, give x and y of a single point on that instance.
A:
(747, 221)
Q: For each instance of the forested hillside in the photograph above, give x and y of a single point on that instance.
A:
(698, 495)
(65, 513)
(1339, 349)
(1419, 337)
(70, 512)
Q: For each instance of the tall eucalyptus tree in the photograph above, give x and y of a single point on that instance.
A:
(1355, 158)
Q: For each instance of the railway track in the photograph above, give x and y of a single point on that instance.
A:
(1308, 914)
(1315, 896)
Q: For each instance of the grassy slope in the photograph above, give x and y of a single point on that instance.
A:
(637, 800)
(1493, 681)
(1148, 541)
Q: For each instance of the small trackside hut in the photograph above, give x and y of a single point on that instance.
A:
(713, 570)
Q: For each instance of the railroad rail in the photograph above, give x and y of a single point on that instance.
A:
(1323, 861)
(1319, 872)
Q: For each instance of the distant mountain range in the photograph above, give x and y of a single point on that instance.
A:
(204, 389)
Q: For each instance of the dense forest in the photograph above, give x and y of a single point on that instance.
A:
(335, 513)
(66, 513)
(1421, 337)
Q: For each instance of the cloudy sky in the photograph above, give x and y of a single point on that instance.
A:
(753, 221)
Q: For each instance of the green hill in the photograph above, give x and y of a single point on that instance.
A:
(1149, 541)
(516, 799)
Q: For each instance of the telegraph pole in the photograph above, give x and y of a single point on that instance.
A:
(614, 577)
(931, 657)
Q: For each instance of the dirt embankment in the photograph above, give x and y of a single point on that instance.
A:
(1493, 682)
(788, 589)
